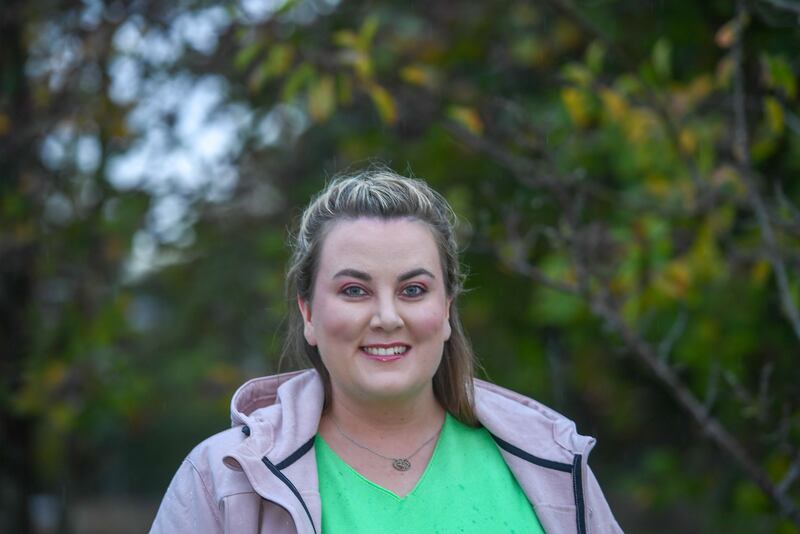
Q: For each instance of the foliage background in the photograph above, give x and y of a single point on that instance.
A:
(624, 172)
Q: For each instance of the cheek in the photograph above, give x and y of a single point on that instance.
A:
(433, 323)
(333, 323)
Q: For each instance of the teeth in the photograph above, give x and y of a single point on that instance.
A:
(391, 351)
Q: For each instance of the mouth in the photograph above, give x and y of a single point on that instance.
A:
(385, 353)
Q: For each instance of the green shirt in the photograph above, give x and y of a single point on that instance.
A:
(466, 487)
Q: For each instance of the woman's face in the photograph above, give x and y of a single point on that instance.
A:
(379, 313)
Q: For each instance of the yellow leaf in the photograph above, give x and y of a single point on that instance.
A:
(688, 141)
(322, 99)
(639, 125)
(383, 102)
(614, 104)
(414, 75)
(421, 75)
(363, 65)
(676, 279)
(774, 113)
(577, 105)
(345, 39)
(467, 117)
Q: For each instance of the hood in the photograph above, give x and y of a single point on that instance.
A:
(256, 394)
(292, 402)
(280, 412)
(528, 424)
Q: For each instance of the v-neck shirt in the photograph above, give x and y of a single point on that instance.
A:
(466, 487)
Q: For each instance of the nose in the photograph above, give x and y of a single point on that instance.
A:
(386, 316)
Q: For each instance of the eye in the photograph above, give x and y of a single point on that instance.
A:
(414, 290)
(353, 291)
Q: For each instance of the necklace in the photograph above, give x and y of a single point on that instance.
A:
(400, 464)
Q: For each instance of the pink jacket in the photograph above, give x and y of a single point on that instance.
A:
(261, 475)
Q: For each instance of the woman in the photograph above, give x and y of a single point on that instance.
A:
(389, 432)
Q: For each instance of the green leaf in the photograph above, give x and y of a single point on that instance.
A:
(246, 55)
(577, 74)
(302, 76)
(779, 75)
(595, 55)
(344, 88)
(367, 32)
(279, 59)
(276, 63)
(662, 59)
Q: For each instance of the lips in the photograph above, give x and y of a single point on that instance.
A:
(386, 352)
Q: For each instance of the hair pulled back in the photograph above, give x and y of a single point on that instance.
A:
(381, 193)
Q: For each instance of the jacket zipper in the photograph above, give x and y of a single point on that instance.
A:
(291, 486)
(577, 485)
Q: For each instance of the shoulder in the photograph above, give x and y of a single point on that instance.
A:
(517, 418)
(206, 461)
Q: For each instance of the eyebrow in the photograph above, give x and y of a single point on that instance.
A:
(361, 275)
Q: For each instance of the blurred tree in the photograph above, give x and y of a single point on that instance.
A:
(17, 267)
(625, 169)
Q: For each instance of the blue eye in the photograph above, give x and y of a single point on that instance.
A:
(353, 291)
(413, 291)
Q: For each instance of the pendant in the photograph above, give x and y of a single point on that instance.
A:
(401, 464)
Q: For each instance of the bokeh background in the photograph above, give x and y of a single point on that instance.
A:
(625, 171)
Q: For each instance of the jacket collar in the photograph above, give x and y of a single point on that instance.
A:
(281, 415)
(528, 425)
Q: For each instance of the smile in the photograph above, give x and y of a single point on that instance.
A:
(383, 351)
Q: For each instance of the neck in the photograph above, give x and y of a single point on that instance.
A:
(411, 417)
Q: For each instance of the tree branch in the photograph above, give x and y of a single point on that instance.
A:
(784, 4)
(741, 151)
(711, 427)
(601, 304)
(791, 475)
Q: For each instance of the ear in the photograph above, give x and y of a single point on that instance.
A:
(308, 327)
(448, 330)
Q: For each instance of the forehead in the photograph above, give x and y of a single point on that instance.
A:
(386, 244)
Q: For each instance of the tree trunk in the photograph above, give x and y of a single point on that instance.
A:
(18, 208)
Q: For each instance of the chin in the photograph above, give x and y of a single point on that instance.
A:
(396, 388)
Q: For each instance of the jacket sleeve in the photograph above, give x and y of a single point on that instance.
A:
(188, 505)
(598, 512)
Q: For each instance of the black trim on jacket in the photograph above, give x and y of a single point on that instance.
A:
(289, 460)
(574, 469)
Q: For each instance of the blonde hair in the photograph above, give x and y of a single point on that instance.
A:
(381, 193)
